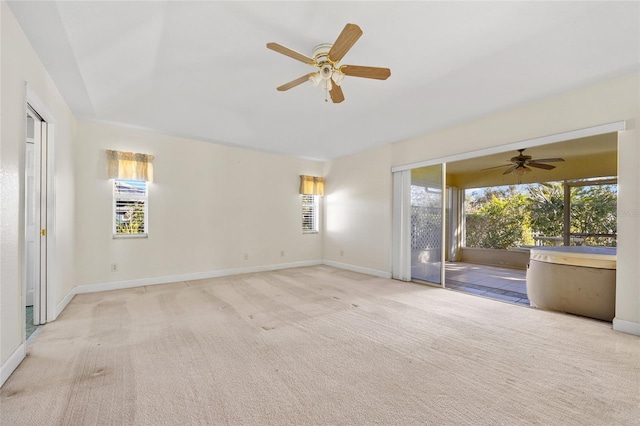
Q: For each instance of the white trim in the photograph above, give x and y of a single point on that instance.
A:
(35, 332)
(63, 303)
(617, 126)
(354, 268)
(628, 327)
(12, 363)
(167, 279)
(117, 285)
(50, 241)
(38, 105)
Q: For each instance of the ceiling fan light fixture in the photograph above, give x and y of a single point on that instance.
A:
(521, 170)
(315, 78)
(337, 77)
(325, 71)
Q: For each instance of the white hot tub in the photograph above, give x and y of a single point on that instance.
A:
(579, 280)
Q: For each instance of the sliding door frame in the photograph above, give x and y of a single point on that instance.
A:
(401, 248)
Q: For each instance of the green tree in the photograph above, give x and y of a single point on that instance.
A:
(546, 204)
(593, 210)
(500, 222)
(502, 217)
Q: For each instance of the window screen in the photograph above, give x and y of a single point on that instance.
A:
(130, 203)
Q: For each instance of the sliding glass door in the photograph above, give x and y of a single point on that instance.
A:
(418, 224)
(427, 201)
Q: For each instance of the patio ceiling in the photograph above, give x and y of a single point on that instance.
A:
(592, 156)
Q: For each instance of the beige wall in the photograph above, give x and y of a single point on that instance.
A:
(587, 107)
(208, 206)
(358, 211)
(19, 65)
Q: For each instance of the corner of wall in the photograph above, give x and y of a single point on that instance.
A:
(626, 326)
(63, 303)
(12, 363)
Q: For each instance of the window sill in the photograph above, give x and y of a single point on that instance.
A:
(129, 236)
(310, 232)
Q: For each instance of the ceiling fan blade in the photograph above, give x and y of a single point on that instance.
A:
(336, 94)
(366, 72)
(495, 167)
(546, 160)
(294, 83)
(540, 165)
(510, 169)
(290, 53)
(347, 38)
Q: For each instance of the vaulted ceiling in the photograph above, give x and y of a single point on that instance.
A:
(202, 70)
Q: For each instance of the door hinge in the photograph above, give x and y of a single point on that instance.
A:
(43, 232)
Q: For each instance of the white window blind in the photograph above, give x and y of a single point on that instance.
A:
(130, 207)
(310, 211)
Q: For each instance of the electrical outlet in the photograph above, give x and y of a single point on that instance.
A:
(341, 252)
(246, 256)
(114, 267)
(282, 253)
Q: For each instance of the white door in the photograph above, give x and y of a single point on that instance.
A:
(35, 216)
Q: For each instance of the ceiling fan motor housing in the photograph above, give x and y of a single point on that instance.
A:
(321, 57)
(321, 53)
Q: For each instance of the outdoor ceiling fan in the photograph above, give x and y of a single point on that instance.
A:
(326, 57)
(520, 164)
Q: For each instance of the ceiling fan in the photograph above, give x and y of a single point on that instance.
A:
(326, 57)
(521, 163)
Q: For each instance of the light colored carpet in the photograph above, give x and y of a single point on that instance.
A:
(315, 346)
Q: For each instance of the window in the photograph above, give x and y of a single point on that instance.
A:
(130, 202)
(310, 213)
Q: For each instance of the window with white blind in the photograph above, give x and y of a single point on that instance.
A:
(310, 212)
(130, 207)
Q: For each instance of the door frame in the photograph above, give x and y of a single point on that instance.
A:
(47, 287)
(35, 199)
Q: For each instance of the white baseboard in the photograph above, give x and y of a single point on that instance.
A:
(626, 326)
(12, 363)
(354, 268)
(118, 285)
(63, 304)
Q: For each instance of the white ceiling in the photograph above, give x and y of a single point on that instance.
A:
(202, 70)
